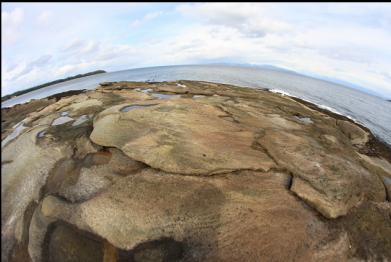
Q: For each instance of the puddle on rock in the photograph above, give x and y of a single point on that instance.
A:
(18, 128)
(164, 96)
(82, 119)
(198, 96)
(128, 108)
(62, 120)
(41, 134)
(145, 91)
(387, 180)
(304, 120)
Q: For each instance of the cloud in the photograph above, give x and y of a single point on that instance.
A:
(12, 18)
(45, 17)
(66, 69)
(81, 48)
(73, 46)
(249, 18)
(148, 17)
(350, 42)
(43, 60)
(10, 23)
(16, 72)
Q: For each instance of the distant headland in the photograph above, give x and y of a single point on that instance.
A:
(21, 92)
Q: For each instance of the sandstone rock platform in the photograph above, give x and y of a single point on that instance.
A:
(190, 171)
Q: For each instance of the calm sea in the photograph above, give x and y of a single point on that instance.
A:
(371, 111)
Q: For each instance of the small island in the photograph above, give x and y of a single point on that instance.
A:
(190, 171)
(24, 91)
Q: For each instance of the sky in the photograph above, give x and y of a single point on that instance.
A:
(41, 42)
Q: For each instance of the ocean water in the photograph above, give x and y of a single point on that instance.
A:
(371, 111)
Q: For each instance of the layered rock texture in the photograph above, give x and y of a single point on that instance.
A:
(190, 171)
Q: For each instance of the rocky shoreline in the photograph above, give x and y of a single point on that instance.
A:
(190, 171)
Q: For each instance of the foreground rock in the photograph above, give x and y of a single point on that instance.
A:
(185, 137)
(190, 171)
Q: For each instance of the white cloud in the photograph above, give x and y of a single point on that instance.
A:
(249, 18)
(66, 69)
(10, 24)
(89, 47)
(146, 18)
(321, 39)
(12, 18)
(45, 17)
(73, 46)
(341, 41)
(80, 48)
(43, 60)
(16, 72)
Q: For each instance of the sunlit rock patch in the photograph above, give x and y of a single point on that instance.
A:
(190, 171)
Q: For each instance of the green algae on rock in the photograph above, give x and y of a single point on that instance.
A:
(190, 171)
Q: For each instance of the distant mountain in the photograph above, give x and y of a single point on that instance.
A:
(319, 77)
(275, 68)
(262, 66)
(21, 92)
(346, 84)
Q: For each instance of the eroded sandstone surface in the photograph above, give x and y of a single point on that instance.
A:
(190, 171)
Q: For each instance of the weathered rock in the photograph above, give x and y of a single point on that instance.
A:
(382, 168)
(181, 137)
(369, 229)
(331, 183)
(216, 219)
(19, 251)
(83, 105)
(41, 227)
(66, 244)
(84, 146)
(132, 96)
(37, 231)
(95, 173)
(153, 172)
(24, 174)
(353, 132)
(15, 114)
